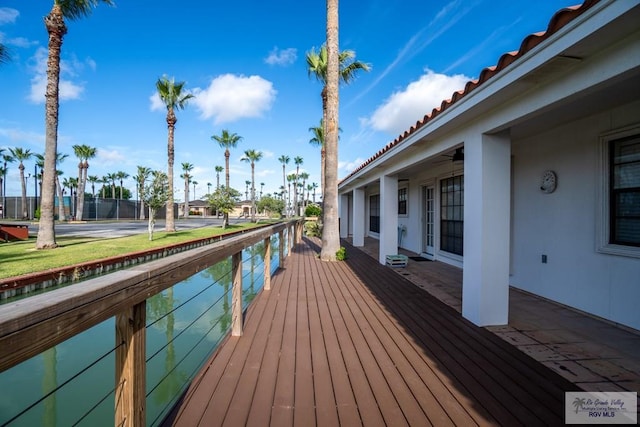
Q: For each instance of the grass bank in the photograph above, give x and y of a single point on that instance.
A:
(21, 257)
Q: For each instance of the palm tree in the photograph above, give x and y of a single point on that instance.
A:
(291, 178)
(7, 159)
(171, 93)
(20, 155)
(112, 177)
(194, 183)
(208, 188)
(261, 187)
(304, 176)
(218, 170)
(252, 156)
(141, 179)
(106, 179)
(284, 160)
(93, 179)
(330, 230)
(121, 176)
(56, 181)
(186, 169)
(83, 153)
(56, 28)
(226, 140)
(298, 161)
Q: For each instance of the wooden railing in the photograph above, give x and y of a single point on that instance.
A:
(32, 325)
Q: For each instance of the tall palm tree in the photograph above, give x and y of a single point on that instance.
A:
(106, 179)
(252, 156)
(111, 178)
(56, 28)
(93, 179)
(284, 160)
(304, 176)
(141, 178)
(313, 187)
(247, 183)
(226, 140)
(83, 153)
(291, 179)
(330, 229)
(20, 155)
(172, 95)
(298, 161)
(218, 170)
(186, 175)
(121, 176)
(6, 159)
(261, 187)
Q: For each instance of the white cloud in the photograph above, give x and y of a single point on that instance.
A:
(282, 57)
(404, 108)
(230, 97)
(110, 156)
(67, 88)
(18, 42)
(8, 15)
(348, 167)
(20, 136)
(156, 102)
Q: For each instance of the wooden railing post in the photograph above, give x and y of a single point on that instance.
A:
(290, 239)
(236, 302)
(131, 366)
(267, 263)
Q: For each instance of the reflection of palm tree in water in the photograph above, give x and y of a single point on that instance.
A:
(220, 273)
(50, 382)
(172, 380)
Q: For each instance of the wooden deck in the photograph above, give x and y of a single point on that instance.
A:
(353, 343)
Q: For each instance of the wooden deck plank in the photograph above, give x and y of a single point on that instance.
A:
(338, 377)
(326, 413)
(260, 412)
(283, 399)
(353, 344)
(304, 414)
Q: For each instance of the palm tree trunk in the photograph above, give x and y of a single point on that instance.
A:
(23, 199)
(330, 230)
(60, 199)
(170, 225)
(225, 216)
(82, 182)
(253, 193)
(56, 29)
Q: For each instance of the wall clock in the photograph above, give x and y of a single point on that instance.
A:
(549, 182)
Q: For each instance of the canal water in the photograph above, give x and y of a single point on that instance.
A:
(73, 383)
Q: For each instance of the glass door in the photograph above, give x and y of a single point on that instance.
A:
(428, 215)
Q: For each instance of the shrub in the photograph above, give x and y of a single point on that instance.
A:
(312, 228)
(341, 254)
(313, 210)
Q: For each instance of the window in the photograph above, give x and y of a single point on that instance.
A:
(402, 201)
(374, 213)
(452, 214)
(624, 191)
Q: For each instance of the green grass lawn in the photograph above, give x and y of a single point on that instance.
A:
(21, 257)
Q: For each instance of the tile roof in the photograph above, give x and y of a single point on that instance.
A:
(558, 20)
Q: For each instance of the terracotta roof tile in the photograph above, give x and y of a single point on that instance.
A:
(558, 20)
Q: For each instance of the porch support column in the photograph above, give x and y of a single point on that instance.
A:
(344, 216)
(487, 204)
(388, 217)
(359, 220)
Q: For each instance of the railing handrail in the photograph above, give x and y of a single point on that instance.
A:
(32, 325)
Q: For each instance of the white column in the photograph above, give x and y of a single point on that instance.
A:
(344, 215)
(359, 219)
(388, 217)
(487, 183)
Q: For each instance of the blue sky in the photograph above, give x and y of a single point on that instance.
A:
(245, 62)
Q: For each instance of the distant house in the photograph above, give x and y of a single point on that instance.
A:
(527, 177)
(200, 207)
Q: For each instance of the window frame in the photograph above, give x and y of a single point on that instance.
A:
(604, 221)
(456, 209)
(405, 190)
